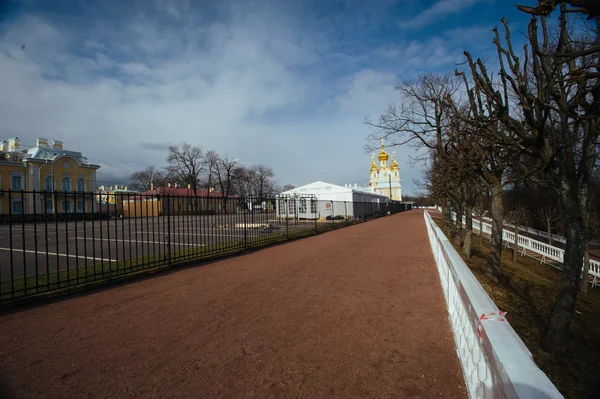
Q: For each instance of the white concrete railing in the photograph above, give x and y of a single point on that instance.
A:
(536, 232)
(534, 246)
(495, 361)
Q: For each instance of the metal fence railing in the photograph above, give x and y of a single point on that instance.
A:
(50, 241)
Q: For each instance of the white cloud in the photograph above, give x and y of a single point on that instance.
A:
(119, 94)
(437, 11)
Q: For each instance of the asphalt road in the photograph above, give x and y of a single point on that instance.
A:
(42, 248)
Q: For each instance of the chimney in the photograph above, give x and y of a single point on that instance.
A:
(189, 186)
(56, 144)
(41, 142)
(175, 185)
(151, 186)
(355, 185)
(169, 185)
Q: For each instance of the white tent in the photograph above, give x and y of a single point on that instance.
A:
(319, 200)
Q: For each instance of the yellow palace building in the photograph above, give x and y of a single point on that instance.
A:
(60, 176)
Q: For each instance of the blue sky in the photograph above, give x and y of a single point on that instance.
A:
(283, 83)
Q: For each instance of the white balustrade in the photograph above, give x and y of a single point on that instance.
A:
(531, 246)
(495, 361)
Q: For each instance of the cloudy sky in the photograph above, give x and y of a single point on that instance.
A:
(283, 83)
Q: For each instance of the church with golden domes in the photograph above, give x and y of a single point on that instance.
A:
(385, 179)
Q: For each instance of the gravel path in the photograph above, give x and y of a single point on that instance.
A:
(357, 312)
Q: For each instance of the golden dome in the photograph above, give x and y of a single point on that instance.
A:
(394, 166)
(373, 164)
(383, 156)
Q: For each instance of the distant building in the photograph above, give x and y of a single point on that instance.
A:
(384, 179)
(178, 200)
(59, 177)
(319, 200)
(113, 194)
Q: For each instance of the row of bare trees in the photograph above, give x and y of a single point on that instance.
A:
(533, 115)
(191, 166)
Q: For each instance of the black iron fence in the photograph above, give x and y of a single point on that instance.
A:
(50, 241)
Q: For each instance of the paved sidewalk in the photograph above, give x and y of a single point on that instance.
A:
(356, 312)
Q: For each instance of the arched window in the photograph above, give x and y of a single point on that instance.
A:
(80, 185)
(48, 183)
(66, 184)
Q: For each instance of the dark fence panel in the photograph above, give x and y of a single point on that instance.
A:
(50, 241)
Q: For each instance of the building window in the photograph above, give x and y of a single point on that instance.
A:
(80, 206)
(17, 183)
(66, 184)
(17, 206)
(49, 206)
(282, 207)
(80, 185)
(48, 183)
(302, 208)
(66, 206)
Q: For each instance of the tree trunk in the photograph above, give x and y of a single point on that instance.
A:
(458, 239)
(497, 216)
(516, 244)
(468, 231)
(452, 226)
(555, 337)
(447, 216)
(481, 230)
(583, 284)
(549, 235)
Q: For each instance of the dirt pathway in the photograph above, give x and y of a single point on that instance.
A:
(357, 312)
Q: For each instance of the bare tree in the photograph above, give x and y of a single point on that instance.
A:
(549, 216)
(186, 162)
(288, 187)
(518, 215)
(226, 176)
(211, 161)
(261, 178)
(479, 211)
(242, 182)
(549, 103)
(146, 179)
(421, 120)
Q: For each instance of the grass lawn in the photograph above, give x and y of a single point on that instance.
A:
(527, 290)
(85, 277)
